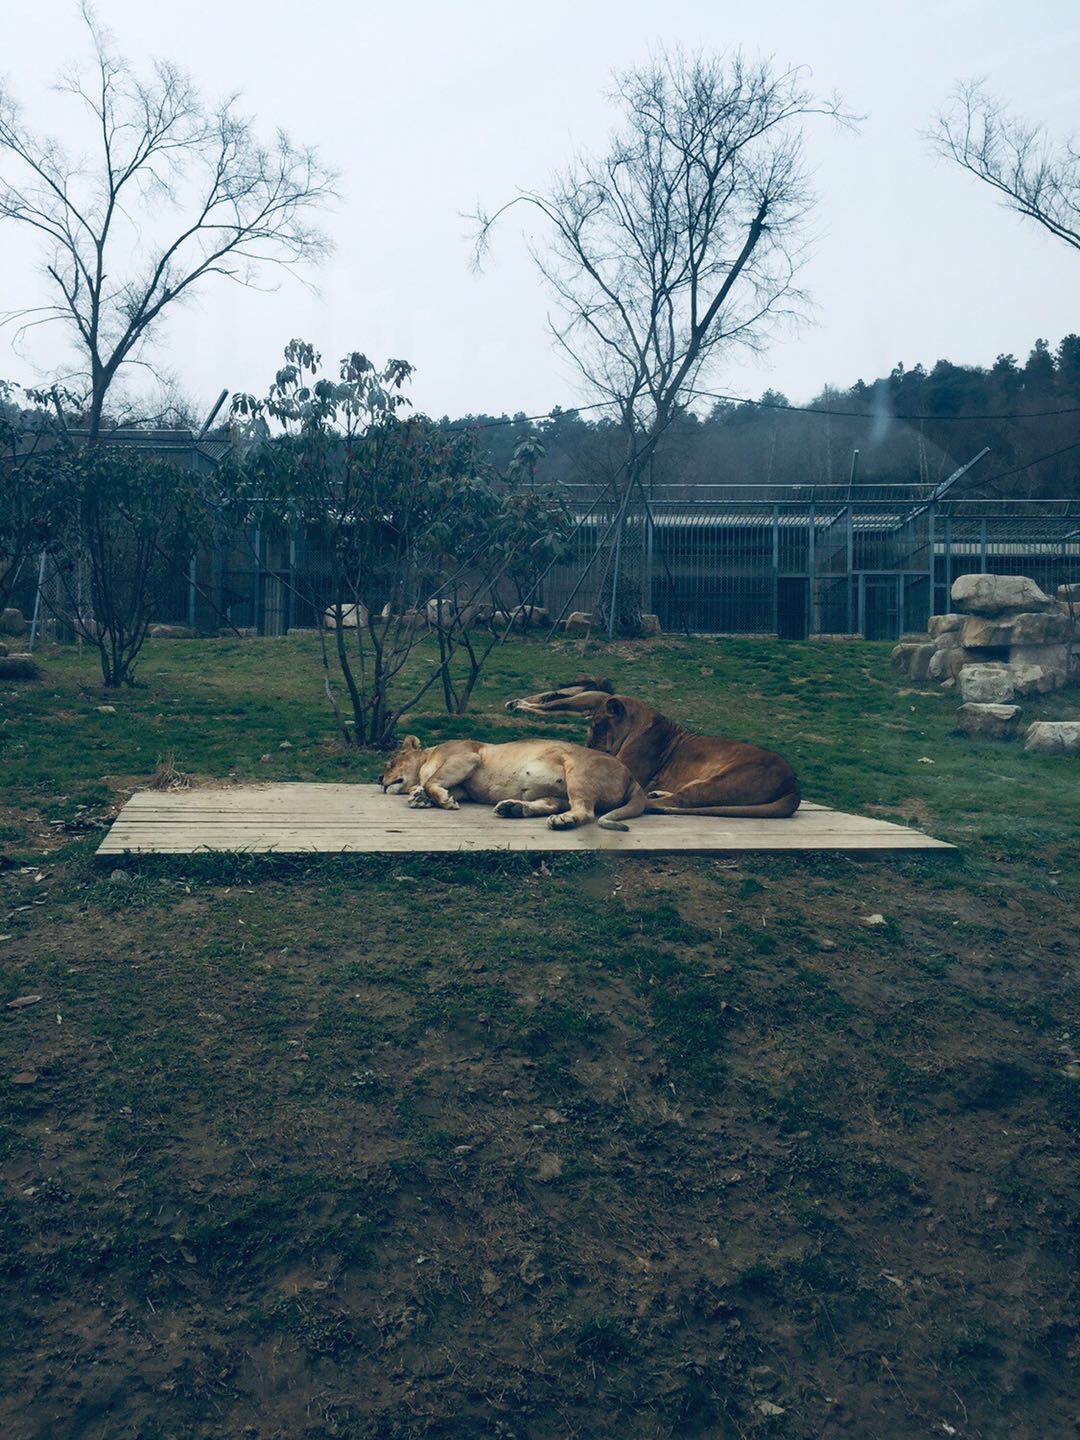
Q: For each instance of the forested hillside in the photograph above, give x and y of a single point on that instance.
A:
(910, 426)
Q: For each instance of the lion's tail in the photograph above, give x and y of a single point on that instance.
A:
(779, 809)
(629, 810)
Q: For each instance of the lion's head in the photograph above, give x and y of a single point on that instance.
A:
(402, 770)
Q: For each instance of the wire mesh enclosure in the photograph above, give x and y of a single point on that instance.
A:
(795, 561)
(779, 560)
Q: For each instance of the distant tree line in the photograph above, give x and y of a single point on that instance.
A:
(732, 442)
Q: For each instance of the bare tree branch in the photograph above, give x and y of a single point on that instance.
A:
(176, 190)
(678, 244)
(1033, 174)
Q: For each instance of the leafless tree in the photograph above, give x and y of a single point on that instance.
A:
(680, 242)
(172, 190)
(1034, 174)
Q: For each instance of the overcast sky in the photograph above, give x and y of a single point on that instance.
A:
(429, 108)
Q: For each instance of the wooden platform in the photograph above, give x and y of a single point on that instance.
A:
(298, 818)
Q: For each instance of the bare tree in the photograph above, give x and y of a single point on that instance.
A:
(172, 191)
(1034, 174)
(679, 243)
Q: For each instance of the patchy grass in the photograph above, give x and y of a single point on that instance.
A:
(494, 1145)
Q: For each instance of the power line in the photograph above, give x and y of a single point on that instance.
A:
(1051, 455)
(863, 415)
(572, 410)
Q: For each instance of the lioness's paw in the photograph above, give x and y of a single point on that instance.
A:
(561, 822)
(419, 799)
(508, 809)
(658, 795)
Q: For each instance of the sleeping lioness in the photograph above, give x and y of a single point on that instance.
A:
(681, 773)
(568, 783)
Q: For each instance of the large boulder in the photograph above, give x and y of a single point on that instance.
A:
(1037, 669)
(352, 616)
(520, 618)
(941, 625)
(18, 667)
(947, 662)
(921, 656)
(1047, 627)
(997, 595)
(13, 622)
(650, 624)
(993, 722)
(1069, 595)
(579, 622)
(172, 632)
(1054, 737)
(986, 684)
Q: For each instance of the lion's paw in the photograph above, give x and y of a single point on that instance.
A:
(508, 809)
(419, 799)
(658, 795)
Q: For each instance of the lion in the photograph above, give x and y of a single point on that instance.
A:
(680, 772)
(569, 784)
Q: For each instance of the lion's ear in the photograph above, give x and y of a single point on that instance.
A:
(411, 742)
(615, 708)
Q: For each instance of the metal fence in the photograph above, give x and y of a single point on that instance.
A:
(758, 560)
(762, 560)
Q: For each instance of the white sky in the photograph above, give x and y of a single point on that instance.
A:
(428, 108)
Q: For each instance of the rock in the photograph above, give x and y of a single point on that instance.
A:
(13, 622)
(650, 625)
(105, 709)
(943, 625)
(919, 663)
(173, 632)
(549, 1167)
(520, 618)
(352, 616)
(1069, 595)
(993, 722)
(1054, 737)
(439, 612)
(1036, 679)
(24, 1077)
(946, 662)
(119, 877)
(19, 667)
(900, 657)
(997, 594)
(22, 1001)
(875, 919)
(526, 615)
(1042, 628)
(579, 622)
(986, 684)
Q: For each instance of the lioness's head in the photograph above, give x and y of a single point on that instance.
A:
(402, 770)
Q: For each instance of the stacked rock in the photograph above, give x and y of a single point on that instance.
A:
(1004, 639)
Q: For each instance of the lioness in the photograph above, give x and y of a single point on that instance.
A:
(568, 783)
(681, 773)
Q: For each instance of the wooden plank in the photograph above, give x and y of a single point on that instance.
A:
(301, 818)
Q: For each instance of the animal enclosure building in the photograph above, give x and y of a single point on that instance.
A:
(795, 561)
(729, 559)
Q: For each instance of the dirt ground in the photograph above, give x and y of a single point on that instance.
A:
(535, 1146)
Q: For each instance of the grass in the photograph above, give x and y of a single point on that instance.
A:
(481, 1146)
